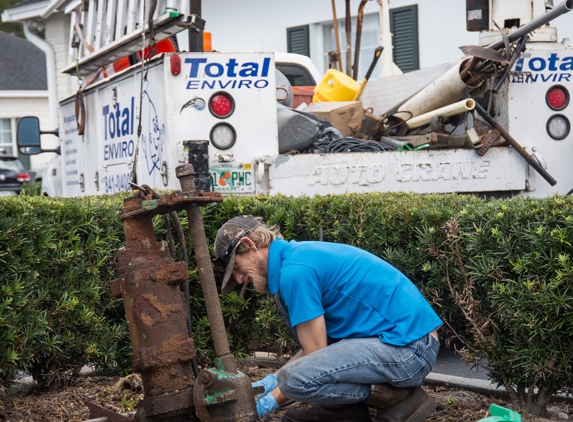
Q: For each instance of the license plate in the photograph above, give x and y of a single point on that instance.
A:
(233, 177)
(7, 193)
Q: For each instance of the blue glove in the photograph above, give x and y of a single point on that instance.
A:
(266, 405)
(270, 382)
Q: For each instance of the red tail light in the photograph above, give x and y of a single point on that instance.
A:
(557, 97)
(221, 105)
(23, 177)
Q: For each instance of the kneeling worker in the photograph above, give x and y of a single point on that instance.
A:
(359, 322)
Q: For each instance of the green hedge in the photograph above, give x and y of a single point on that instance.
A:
(32, 188)
(498, 272)
(55, 310)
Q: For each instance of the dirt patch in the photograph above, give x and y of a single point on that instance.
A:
(122, 395)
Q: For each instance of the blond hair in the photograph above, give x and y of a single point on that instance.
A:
(262, 237)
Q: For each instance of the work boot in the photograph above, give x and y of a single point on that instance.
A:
(414, 408)
(355, 412)
(385, 395)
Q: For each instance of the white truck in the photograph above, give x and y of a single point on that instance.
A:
(218, 111)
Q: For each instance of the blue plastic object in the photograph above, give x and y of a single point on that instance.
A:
(501, 414)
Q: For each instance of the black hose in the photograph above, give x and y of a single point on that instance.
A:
(181, 237)
(348, 144)
(169, 236)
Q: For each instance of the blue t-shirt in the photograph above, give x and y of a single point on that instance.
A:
(359, 294)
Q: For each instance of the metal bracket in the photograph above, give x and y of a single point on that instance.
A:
(225, 157)
(263, 164)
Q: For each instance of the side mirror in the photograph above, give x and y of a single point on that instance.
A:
(28, 136)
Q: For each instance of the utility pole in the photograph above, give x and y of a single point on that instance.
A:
(195, 35)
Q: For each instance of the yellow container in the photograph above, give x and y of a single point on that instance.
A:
(335, 86)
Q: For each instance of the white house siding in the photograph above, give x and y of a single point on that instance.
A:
(260, 25)
(14, 108)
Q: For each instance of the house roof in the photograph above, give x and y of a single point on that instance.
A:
(22, 64)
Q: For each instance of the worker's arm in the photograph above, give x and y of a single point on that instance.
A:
(312, 337)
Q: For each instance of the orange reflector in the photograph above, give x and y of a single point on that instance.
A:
(175, 62)
(207, 45)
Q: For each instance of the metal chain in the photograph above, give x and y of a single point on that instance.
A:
(133, 177)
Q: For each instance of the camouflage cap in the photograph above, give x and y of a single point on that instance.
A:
(228, 239)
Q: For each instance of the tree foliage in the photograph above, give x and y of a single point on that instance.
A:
(10, 27)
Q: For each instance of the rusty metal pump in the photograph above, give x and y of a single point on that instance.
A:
(149, 282)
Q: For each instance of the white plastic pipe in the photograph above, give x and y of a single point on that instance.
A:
(443, 91)
(450, 110)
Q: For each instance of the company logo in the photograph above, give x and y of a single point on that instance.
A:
(540, 69)
(197, 103)
(205, 74)
(152, 135)
(118, 127)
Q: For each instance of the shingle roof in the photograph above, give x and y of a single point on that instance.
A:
(22, 64)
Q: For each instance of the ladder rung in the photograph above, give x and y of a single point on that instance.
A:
(165, 27)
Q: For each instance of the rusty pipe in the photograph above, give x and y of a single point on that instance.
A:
(185, 174)
(181, 237)
(348, 39)
(336, 36)
(469, 67)
(520, 150)
(360, 20)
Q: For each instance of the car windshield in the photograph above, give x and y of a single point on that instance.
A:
(296, 75)
(10, 164)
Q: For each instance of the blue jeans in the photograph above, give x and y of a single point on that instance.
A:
(343, 372)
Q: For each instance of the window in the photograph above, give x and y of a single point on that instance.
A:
(6, 141)
(369, 40)
(404, 26)
(11, 164)
(297, 40)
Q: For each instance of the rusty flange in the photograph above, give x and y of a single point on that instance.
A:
(175, 201)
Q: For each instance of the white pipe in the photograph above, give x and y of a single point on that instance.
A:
(50, 72)
(443, 91)
(447, 111)
(51, 7)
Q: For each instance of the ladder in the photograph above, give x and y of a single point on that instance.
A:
(103, 31)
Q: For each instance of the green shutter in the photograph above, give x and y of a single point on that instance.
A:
(297, 40)
(404, 26)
